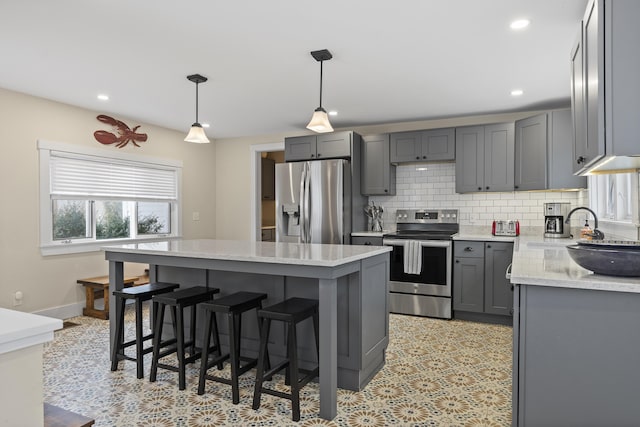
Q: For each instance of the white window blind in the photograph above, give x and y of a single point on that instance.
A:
(74, 175)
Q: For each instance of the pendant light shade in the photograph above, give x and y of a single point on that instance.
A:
(196, 133)
(320, 120)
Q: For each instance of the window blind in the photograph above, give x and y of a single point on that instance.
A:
(100, 177)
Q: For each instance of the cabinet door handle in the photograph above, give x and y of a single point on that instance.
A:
(457, 261)
(424, 157)
(487, 187)
(479, 188)
(468, 249)
(580, 159)
(312, 156)
(367, 243)
(489, 246)
(516, 187)
(386, 191)
(417, 157)
(319, 155)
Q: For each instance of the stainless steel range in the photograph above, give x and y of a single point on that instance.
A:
(421, 262)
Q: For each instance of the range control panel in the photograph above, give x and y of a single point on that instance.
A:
(427, 216)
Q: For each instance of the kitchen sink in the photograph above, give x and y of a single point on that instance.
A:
(608, 257)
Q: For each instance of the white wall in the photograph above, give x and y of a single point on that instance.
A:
(49, 282)
(434, 188)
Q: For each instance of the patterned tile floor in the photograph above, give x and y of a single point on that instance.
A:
(438, 373)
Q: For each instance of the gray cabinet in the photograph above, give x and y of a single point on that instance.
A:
(423, 146)
(479, 282)
(366, 240)
(610, 85)
(268, 179)
(575, 359)
(323, 146)
(378, 174)
(268, 235)
(579, 120)
(543, 151)
(468, 276)
(485, 158)
(498, 292)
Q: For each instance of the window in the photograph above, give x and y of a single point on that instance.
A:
(614, 197)
(89, 198)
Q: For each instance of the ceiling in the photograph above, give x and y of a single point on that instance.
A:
(392, 61)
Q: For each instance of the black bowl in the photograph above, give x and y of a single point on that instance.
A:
(603, 260)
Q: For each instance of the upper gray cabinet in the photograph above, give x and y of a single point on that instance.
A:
(378, 174)
(543, 150)
(609, 87)
(423, 146)
(485, 158)
(316, 147)
(578, 111)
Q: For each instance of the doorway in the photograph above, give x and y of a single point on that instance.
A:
(263, 208)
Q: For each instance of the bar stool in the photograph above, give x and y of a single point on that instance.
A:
(139, 294)
(177, 302)
(233, 306)
(291, 311)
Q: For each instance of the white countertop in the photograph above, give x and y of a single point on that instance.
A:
(483, 237)
(369, 233)
(546, 262)
(20, 330)
(249, 251)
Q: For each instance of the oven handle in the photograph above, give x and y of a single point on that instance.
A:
(423, 243)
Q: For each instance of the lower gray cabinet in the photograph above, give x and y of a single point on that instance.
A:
(479, 282)
(575, 360)
(366, 240)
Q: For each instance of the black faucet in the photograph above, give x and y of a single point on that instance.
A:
(595, 234)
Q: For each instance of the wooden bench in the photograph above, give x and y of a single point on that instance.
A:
(55, 416)
(97, 287)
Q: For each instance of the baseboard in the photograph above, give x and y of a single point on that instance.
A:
(63, 312)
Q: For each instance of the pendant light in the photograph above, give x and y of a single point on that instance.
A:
(320, 121)
(196, 133)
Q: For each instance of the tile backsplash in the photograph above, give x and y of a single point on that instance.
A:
(434, 188)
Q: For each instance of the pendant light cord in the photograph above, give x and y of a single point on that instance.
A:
(321, 84)
(197, 102)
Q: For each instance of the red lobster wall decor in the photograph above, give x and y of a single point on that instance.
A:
(125, 133)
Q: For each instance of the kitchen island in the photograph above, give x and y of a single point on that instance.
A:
(350, 283)
(576, 338)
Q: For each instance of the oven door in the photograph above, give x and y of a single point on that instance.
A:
(435, 277)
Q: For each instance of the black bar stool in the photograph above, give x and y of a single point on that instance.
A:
(177, 302)
(291, 311)
(139, 294)
(233, 306)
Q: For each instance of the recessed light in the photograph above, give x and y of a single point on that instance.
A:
(103, 97)
(333, 113)
(519, 24)
(517, 92)
(205, 125)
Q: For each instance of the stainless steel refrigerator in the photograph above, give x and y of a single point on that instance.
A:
(314, 201)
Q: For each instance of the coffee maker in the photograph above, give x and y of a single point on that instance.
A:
(554, 216)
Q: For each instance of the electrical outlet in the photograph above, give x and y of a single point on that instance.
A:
(196, 216)
(17, 298)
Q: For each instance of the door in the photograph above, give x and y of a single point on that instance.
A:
(378, 175)
(323, 214)
(469, 159)
(405, 147)
(335, 144)
(592, 49)
(577, 104)
(498, 296)
(499, 157)
(438, 144)
(468, 286)
(288, 205)
(531, 153)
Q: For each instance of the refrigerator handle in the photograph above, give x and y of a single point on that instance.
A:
(307, 203)
(303, 198)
